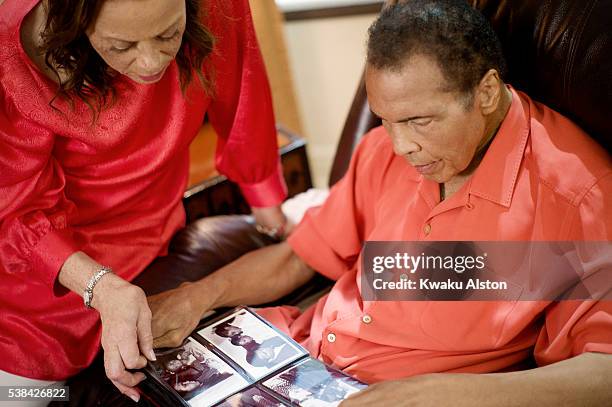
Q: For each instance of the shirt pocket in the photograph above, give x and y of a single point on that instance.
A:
(473, 324)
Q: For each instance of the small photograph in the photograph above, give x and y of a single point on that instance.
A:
(311, 384)
(252, 344)
(253, 397)
(197, 375)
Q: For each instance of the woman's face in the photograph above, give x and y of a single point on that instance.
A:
(138, 38)
(244, 340)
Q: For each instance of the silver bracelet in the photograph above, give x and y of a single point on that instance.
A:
(88, 293)
(277, 232)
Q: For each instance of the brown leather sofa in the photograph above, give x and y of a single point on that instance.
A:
(558, 51)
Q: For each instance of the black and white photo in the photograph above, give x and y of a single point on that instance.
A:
(311, 383)
(251, 343)
(197, 375)
(252, 397)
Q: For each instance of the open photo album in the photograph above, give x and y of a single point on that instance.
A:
(239, 359)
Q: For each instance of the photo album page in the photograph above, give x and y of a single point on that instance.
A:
(239, 359)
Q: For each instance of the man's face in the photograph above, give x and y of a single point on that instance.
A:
(431, 127)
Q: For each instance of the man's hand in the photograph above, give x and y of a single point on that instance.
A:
(258, 277)
(177, 312)
(432, 390)
(126, 331)
(584, 380)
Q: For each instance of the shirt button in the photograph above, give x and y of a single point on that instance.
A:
(331, 338)
(366, 319)
(469, 206)
(427, 229)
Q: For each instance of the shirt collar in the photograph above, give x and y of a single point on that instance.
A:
(496, 176)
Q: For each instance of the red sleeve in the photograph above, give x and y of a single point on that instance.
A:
(575, 327)
(241, 109)
(329, 238)
(35, 239)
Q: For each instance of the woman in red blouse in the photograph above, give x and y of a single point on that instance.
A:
(98, 106)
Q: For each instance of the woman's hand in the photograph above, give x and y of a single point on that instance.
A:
(177, 312)
(272, 218)
(126, 331)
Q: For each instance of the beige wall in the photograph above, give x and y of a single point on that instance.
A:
(270, 34)
(326, 60)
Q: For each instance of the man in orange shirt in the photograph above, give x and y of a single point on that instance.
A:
(461, 156)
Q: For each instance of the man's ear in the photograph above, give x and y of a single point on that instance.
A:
(489, 92)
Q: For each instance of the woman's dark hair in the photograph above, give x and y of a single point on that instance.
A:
(66, 47)
(455, 35)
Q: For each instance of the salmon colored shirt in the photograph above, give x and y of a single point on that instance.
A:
(541, 179)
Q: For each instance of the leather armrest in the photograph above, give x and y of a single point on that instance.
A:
(199, 249)
(209, 244)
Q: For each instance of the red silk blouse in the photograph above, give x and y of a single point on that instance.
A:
(111, 189)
